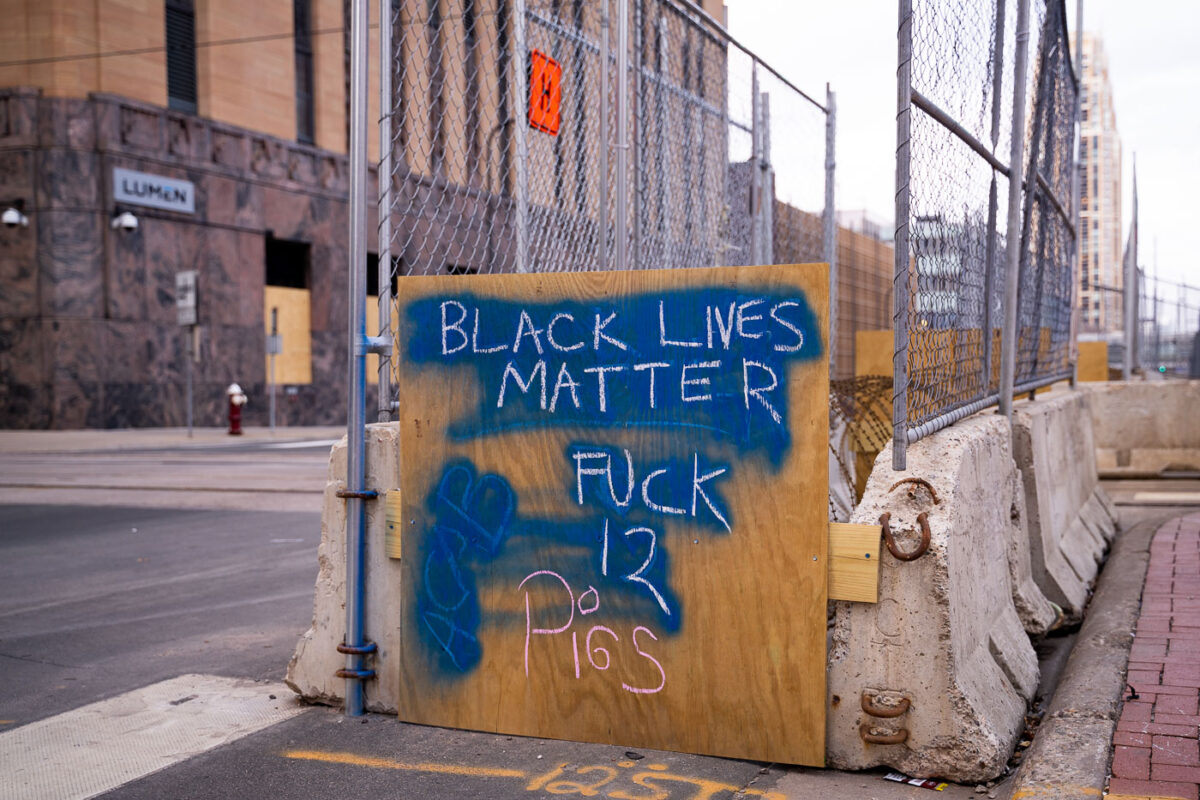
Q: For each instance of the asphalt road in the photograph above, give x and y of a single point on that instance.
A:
(95, 601)
(256, 474)
(123, 567)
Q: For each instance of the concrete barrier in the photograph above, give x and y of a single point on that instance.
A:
(311, 670)
(1143, 428)
(945, 635)
(1070, 517)
(949, 634)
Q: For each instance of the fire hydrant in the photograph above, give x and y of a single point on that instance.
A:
(237, 399)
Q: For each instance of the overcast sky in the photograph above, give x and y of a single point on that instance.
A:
(1153, 49)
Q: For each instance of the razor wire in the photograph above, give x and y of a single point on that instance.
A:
(503, 144)
(954, 134)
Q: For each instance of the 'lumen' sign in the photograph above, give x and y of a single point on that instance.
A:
(155, 191)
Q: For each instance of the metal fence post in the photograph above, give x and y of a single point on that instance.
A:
(989, 275)
(621, 228)
(1008, 341)
(356, 411)
(766, 184)
(521, 74)
(830, 222)
(901, 289)
(639, 178)
(756, 244)
(384, 267)
(1076, 194)
(1131, 288)
(602, 214)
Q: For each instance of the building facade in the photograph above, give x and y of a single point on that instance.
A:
(221, 130)
(1101, 280)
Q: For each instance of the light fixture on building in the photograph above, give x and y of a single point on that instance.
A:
(14, 216)
(126, 221)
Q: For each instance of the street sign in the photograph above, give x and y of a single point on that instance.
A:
(154, 191)
(545, 93)
(274, 344)
(614, 507)
(185, 297)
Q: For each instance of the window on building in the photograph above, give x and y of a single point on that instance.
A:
(287, 263)
(305, 113)
(181, 55)
(286, 298)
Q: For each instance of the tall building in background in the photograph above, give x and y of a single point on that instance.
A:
(1100, 277)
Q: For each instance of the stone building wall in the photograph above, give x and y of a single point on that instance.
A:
(88, 333)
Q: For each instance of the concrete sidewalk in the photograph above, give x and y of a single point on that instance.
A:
(1155, 748)
(93, 440)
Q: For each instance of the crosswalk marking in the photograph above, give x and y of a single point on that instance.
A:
(98, 747)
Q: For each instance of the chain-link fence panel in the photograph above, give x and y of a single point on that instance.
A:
(508, 136)
(951, 228)
(1046, 289)
(954, 138)
(1169, 334)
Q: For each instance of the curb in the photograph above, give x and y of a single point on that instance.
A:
(1070, 755)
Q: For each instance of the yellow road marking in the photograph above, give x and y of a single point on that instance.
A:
(387, 763)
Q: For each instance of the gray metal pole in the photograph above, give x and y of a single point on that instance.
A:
(620, 229)
(1008, 336)
(190, 356)
(1131, 289)
(766, 218)
(756, 245)
(1076, 193)
(901, 289)
(830, 243)
(384, 386)
(357, 353)
(521, 74)
(602, 213)
(639, 127)
(989, 274)
(274, 332)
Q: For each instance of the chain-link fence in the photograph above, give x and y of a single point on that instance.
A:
(564, 135)
(958, 76)
(1169, 335)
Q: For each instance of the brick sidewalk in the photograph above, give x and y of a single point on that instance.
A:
(1155, 746)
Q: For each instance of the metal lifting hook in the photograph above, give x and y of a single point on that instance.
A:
(890, 541)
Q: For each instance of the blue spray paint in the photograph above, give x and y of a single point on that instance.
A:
(707, 365)
(712, 360)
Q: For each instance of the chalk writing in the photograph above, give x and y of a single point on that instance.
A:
(709, 361)
(712, 358)
(592, 650)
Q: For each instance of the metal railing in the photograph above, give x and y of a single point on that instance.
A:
(565, 135)
(976, 320)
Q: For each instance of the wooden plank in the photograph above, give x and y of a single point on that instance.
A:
(873, 352)
(564, 575)
(1093, 362)
(854, 562)
(394, 512)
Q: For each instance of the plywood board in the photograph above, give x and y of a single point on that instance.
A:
(854, 562)
(1092, 365)
(873, 352)
(614, 493)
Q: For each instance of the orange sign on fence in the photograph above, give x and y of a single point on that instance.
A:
(545, 93)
